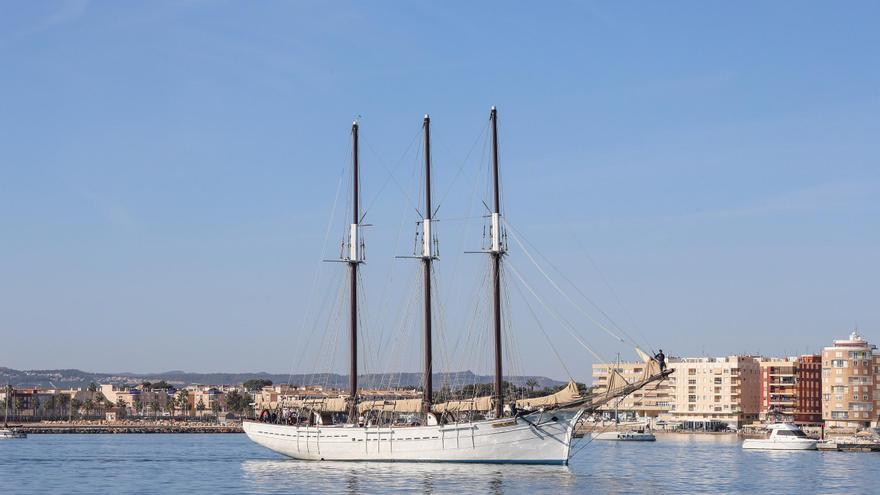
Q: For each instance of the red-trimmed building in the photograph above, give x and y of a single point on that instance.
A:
(791, 389)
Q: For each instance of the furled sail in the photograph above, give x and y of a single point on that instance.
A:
(568, 394)
(482, 404)
(652, 367)
(318, 404)
(396, 405)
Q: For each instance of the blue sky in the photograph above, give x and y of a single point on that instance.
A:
(167, 170)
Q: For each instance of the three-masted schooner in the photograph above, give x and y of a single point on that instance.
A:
(480, 429)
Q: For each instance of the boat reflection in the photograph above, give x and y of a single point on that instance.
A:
(285, 475)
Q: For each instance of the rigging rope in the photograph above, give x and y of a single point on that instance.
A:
(559, 289)
(317, 273)
(616, 297)
(544, 332)
(390, 174)
(569, 328)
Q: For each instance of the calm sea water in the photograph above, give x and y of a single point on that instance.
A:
(122, 464)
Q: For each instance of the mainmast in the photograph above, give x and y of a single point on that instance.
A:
(353, 261)
(496, 251)
(427, 259)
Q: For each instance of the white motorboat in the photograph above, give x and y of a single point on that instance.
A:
(8, 433)
(626, 436)
(783, 436)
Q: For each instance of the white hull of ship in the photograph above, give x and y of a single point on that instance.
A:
(537, 438)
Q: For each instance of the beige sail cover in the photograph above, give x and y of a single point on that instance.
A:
(568, 394)
(652, 367)
(396, 405)
(616, 382)
(319, 404)
(475, 404)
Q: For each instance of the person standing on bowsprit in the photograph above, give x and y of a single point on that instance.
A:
(661, 360)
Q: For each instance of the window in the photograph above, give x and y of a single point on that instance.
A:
(839, 415)
(839, 363)
(789, 433)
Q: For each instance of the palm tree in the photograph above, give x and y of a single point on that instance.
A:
(64, 403)
(531, 383)
(215, 408)
(52, 405)
(138, 405)
(182, 401)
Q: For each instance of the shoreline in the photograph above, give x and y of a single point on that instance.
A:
(128, 428)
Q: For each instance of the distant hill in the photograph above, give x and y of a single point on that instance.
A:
(77, 379)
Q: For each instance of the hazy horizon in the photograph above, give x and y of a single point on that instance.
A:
(707, 174)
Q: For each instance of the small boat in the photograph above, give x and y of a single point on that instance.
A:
(9, 433)
(6, 432)
(783, 436)
(626, 436)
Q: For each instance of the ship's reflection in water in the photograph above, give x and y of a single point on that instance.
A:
(292, 476)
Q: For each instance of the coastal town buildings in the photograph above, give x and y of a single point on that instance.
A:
(850, 381)
(791, 389)
(709, 392)
(702, 393)
(839, 388)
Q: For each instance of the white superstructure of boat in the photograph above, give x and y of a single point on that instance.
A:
(783, 436)
(8, 433)
(626, 436)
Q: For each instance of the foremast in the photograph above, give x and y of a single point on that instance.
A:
(354, 259)
(496, 251)
(427, 260)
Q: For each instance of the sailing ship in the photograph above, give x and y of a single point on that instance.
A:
(487, 429)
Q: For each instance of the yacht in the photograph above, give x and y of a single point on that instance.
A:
(783, 436)
(626, 436)
(8, 433)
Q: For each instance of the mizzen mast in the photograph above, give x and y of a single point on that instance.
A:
(427, 260)
(496, 251)
(354, 259)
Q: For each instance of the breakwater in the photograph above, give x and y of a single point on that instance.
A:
(141, 427)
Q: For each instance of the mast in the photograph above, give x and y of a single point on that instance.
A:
(496, 251)
(427, 259)
(353, 261)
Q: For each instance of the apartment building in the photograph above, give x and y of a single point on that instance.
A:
(208, 400)
(649, 402)
(850, 380)
(790, 389)
(711, 391)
